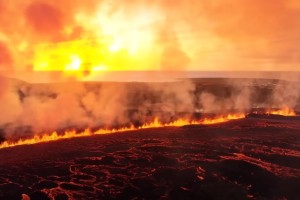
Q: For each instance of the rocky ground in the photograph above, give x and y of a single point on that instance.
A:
(257, 157)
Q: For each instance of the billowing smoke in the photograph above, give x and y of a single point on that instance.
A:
(286, 94)
(233, 96)
(36, 108)
(52, 107)
(173, 57)
(5, 57)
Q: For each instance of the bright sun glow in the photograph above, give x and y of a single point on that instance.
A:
(75, 63)
(122, 43)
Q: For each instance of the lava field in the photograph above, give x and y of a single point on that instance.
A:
(257, 157)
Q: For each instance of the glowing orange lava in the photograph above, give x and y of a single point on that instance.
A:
(286, 111)
(154, 124)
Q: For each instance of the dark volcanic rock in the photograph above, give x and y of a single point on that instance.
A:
(39, 196)
(162, 160)
(61, 197)
(262, 182)
(46, 185)
(182, 194)
(11, 191)
(240, 159)
(75, 187)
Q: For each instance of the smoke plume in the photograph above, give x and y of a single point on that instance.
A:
(37, 108)
(152, 35)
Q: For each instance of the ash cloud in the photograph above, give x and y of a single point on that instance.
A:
(233, 96)
(262, 32)
(44, 18)
(173, 56)
(207, 35)
(5, 57)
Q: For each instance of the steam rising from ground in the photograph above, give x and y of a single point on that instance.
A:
(239, 98)
(28, 108)
(287, 94)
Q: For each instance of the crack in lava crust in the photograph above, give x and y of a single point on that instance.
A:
(256, 157)
(87, 132)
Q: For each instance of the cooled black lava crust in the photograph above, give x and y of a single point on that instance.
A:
(256, 157)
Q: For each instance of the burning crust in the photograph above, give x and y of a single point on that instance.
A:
(34, 109)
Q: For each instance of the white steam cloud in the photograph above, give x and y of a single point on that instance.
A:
(38, 108)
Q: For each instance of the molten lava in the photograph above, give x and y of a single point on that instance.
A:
(154, 124)
(286, 111)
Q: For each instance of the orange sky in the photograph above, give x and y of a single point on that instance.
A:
(93, 35)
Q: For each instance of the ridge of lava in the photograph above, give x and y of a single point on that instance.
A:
(54, 136)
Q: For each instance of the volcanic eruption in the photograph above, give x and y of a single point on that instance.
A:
(149, 99)
(79, 134)
(155, 124)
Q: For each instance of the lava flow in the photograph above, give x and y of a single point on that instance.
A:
(154, 124)
(286, 111)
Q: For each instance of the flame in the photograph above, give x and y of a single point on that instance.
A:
(154, 124)
(285, 111)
